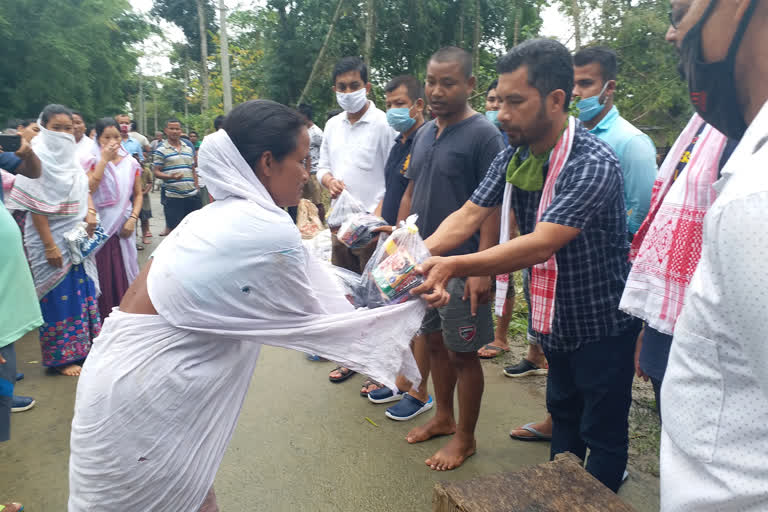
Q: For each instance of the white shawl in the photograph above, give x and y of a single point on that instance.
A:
(61, 194)
(159, 395)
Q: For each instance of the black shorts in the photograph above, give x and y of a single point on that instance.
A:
(177, 208)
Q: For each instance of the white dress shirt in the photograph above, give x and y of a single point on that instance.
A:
(86, 152)
(714, 450)
(356, 154)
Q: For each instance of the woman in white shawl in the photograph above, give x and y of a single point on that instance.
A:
(162, 389)
(48, 208)
(114, 181)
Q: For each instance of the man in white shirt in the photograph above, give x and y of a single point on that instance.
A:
(355, 147)
(85, 145)
(715, 390)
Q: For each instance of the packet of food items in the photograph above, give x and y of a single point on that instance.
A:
(342, 208)
(308, 219)
(350, 283)
(391, 273)
(356, 231)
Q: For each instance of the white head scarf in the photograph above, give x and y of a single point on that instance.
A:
(227, 174)
(62, 189)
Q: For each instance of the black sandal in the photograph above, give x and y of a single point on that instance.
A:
(345, 374)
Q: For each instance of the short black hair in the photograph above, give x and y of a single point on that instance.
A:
(193, 131)
(52, 110)
(218, 122)
(26, 122)
(172, 120)
(491, 87)
(413, 85)
(104, 123)
(77, 113)
(603, 56)
(347, 64)
(455, 54)
(549, 63)
(306, 110)
(258, 126)
(134, 126)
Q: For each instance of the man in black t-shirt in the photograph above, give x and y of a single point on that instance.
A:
(449, 159)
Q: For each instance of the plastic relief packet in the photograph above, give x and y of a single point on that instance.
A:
(342, 208)
(355, 232)
(80, 245)
(351, 284)
(391, 272)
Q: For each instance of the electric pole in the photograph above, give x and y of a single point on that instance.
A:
(225, 76)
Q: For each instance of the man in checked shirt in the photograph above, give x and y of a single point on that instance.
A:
(570, 209)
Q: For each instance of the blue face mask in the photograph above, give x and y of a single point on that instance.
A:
(493, 116)
(400, 119)
(589, 108)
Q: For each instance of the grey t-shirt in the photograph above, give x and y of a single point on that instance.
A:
(448, 169)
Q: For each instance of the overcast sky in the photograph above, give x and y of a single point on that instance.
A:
(155, 61)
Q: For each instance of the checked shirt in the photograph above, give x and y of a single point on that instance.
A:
(593, 267)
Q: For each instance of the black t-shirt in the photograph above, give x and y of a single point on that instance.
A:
(394, 176)
(446, 170)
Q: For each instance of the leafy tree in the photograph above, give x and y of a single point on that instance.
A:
(77, 52)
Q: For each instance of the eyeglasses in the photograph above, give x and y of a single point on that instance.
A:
(676, 16)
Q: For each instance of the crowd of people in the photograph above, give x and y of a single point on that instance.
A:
(627, 269)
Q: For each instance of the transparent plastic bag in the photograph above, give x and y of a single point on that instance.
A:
(342, 208)
(356, 232)
(351, 283)
(391, 272)
(320, 246)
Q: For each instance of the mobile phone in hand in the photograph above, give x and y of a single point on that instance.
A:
(10, 143)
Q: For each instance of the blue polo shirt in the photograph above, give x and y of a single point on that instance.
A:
(637, 157)
(132, 146)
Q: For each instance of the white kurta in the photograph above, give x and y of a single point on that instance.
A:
(714, 451)
(159, 395)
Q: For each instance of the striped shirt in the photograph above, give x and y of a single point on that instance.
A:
(171, 161)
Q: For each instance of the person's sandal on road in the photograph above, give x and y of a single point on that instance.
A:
(524, 368)
(408, 408)
(385, 395)
(535, 434)
(12, 507)
(344, 374)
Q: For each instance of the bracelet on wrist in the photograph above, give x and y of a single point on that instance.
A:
(91, 210)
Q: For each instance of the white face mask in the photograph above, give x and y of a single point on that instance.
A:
(352, 102)
(61, 144)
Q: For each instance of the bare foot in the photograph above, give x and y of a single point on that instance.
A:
(72, 370)
(12, 507)
(435, 427)
(452, 455)
(489, 352)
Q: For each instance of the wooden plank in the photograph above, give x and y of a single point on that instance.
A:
(562, 485)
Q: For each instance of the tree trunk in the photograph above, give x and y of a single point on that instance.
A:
(226, 79)
(461, 24)
(154, 100)
(476, 38)
(186, 89)
(203, 55)
(369, 28)
(516, 30)
(576, 13)
(141, 125)
(321, 54)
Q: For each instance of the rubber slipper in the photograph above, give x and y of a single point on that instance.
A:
(498, 351)
(368, 383)
(344, 375)
(385, 395)
(316, 358)
(408, 408)
(20, 509)
(537, 436)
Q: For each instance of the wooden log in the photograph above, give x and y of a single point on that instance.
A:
(562, 485)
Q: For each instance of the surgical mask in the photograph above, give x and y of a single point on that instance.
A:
(590, 108)
(493, 116)
(352, 102)
(712, 85)
(400, 119)
(124, 128)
